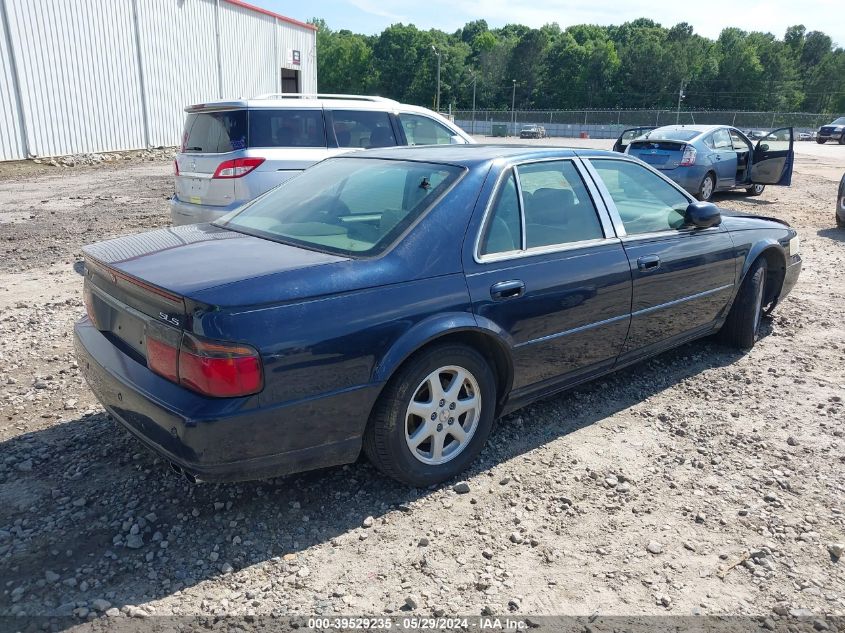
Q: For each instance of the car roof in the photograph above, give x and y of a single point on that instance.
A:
(473, 155)
(699, 129)
(305, 102)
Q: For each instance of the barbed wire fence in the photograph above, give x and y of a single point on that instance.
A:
(611, 123)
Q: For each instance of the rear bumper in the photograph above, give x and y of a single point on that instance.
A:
(221, 440)
(182, 212)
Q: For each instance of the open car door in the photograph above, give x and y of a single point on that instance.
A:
(629, 135)
(773, 158)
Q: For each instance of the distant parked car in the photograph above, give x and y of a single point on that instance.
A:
(708, 158)
(233, 151)
(834, 131)
(399, 300)
(532, 131)
(629, 135)
(805, 136)
(840, 204)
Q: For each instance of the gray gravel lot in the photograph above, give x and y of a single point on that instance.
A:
(701, 482)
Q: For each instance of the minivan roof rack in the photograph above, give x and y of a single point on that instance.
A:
(304, 95)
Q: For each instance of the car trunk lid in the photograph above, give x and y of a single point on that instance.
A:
(658, 154)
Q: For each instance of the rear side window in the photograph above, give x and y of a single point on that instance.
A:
(215, 132)
(363, 129)
(421, 130)
(503, 232)
(557, 207)
(286, 128)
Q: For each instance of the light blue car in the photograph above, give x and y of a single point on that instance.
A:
(704, 159)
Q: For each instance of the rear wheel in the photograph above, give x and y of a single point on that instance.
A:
(706, 188)
(755, 190)
(433, 417)
(743, 322)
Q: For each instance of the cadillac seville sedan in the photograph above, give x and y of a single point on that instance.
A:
(397, 301)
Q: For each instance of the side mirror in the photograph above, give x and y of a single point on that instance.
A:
(457, 140)
(703, 215)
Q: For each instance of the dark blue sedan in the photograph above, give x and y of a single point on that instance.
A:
(401, 300)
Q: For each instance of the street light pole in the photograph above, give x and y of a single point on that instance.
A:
(437, 98)
(513, 105)
(474, 81)
(680, 96)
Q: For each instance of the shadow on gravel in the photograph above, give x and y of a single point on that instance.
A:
(837, 235)
(732, 195)
(87, 513)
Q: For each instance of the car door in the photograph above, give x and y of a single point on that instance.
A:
(773, 158)
(629, 135)
(683, 277)
(725, 158)
(547, 270)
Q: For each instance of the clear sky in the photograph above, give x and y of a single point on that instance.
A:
(708, 18)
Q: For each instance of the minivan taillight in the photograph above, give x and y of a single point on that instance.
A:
(689, 156)
(213, 368)
(237, 167)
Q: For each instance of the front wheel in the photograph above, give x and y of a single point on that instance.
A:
(743, 323)
(842, 139)
(821, 141)
(705, 189)
(755, 190)
(433, 417)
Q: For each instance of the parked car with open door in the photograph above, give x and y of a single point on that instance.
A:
(704, 159)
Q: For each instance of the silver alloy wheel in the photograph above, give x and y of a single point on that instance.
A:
(707, 187)
(758, 189)
(443, 415)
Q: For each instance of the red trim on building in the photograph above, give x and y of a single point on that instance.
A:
(284, 18)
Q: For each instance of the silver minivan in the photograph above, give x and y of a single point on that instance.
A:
(233, 151)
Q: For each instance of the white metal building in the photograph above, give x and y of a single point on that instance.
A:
(105, 75)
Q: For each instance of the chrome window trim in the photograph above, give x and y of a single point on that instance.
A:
(611, 205)
(599, 206)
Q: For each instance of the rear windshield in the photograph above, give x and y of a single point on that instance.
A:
(349, 206)
(671, 135)
(232, 130)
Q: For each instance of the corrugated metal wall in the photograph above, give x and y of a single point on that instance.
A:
(88, 71)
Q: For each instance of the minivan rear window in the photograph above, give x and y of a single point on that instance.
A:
(233, 130)
(215, 132)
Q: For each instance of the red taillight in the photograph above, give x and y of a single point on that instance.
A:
(176, 167)
(163, 358)
(689, 156)
(212, 368)
(236, 168)
(219, 369)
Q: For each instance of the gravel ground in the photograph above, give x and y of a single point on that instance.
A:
(701, 482)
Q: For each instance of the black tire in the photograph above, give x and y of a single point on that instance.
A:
(384, 438)
(821, 141)
(840, 222)
(743, 322)
(701, 194)
(755, 190)
(842, 139)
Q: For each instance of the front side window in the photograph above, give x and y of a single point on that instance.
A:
(363, 129)
(286, 128)
(557, 207)
(421, 130)
(645, 202)
(347, 206)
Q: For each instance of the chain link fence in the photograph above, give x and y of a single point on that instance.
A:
(610, 123)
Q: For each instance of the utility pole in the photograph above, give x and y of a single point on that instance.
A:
(680, 96)
(474, 81)
(513, 105)
(437, 98)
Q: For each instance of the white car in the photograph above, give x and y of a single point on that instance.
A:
(233, 151)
